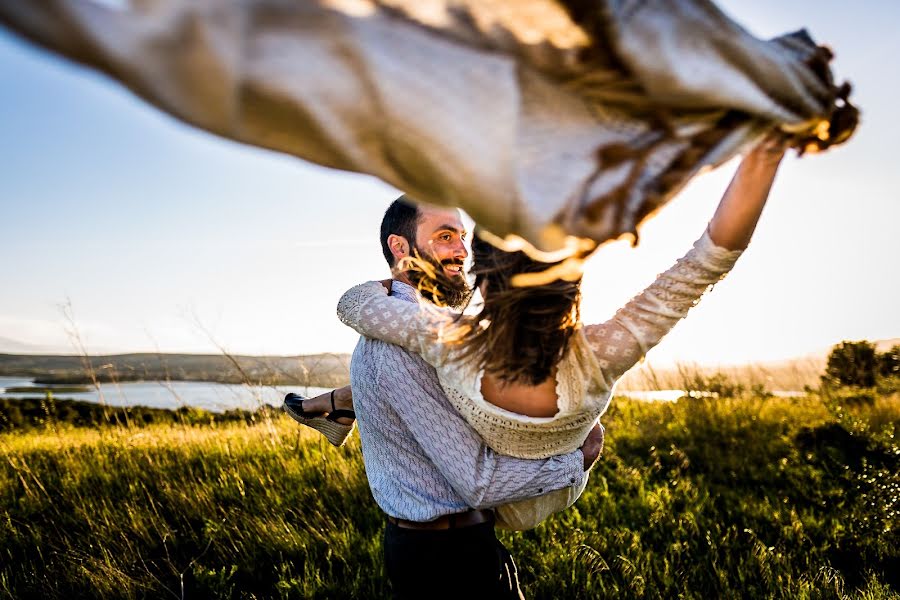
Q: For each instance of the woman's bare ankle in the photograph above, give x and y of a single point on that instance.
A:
(318, 404)
(343, 398)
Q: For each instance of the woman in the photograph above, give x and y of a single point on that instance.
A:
(524, 372)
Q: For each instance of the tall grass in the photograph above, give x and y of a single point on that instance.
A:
(753, 497)
(172, 511)
(791, 375)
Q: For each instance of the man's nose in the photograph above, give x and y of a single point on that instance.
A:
(459, 250)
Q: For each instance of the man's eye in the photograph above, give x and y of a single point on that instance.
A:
(446, 237)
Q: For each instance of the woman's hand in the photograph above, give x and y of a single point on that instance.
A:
(593, 445)
(770, 149)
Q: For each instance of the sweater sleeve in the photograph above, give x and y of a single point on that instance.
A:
(639, 325)
(370, 311)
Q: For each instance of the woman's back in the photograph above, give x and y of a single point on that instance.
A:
(539, 400)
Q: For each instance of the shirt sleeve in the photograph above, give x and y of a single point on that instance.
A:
(368, 309)
(639, 325)
(482, 477)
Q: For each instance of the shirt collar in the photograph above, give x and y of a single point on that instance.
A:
(404, 291)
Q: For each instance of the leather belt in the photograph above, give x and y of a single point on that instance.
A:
(454, 521)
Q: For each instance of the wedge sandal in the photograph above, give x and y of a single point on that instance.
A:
(336, 433)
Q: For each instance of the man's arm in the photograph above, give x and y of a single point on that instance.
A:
(479, 475)
(590, 450)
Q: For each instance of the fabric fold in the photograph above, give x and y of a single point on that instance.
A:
(550, 123)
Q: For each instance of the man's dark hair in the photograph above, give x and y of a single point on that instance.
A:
(401, 218)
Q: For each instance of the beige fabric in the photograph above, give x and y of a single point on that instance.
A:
(539, 118)
(528, 514)
(597, 356)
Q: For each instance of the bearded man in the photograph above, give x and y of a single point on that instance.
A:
(428, 470)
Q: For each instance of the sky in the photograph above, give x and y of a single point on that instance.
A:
(140, 233)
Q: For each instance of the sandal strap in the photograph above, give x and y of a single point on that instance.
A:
(341, 413)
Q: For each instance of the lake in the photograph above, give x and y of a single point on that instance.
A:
(216, 397)
(219, 397)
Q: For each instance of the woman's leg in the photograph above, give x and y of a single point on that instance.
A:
(328, 413)
(321, 404)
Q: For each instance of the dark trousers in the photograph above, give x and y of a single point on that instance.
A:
(469, 562)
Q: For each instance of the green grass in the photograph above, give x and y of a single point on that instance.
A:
(752, 497)
(50, 413)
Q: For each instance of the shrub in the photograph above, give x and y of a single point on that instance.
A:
(889, 363)
(719, 384)
(852, 363)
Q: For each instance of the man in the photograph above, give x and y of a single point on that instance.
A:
(427, 468)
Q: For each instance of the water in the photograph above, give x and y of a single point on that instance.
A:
(217, 397)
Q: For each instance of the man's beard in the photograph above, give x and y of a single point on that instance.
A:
(427, 275)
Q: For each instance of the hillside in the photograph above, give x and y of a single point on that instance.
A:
(330, 370)
(323, 370)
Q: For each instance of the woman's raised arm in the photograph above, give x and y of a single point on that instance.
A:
(639, 325)
(738, 213)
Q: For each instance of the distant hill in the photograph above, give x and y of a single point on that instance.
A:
(332, 370)
(319, 370)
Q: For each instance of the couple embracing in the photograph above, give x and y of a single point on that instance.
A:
(490, 418)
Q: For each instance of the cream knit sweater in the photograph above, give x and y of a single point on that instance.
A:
(597, 356)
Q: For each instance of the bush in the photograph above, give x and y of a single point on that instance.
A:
(889, 365)
(35, 413)
(719, 385)
(852, 363)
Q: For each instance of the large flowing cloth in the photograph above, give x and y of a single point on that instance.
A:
(556, 121)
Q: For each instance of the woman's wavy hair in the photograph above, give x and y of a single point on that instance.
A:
(524, 331)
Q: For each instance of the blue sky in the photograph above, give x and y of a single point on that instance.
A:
(162, 237)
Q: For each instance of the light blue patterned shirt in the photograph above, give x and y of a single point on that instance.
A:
(422, 459)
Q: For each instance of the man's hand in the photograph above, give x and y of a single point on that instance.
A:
(592, 446)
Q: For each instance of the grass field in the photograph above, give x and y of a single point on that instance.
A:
(752, 497)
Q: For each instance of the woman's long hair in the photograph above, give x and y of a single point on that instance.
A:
(524, 331)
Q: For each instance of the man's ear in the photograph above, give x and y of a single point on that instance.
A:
(399, 246)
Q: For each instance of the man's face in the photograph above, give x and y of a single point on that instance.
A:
(440, 239)
(441, 236)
